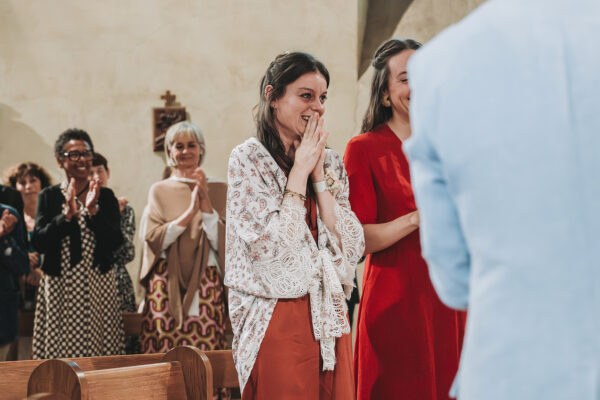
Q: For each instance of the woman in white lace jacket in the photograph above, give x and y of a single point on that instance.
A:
(292, 244)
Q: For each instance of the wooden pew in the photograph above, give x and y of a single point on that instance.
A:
(15, 374)
(182, 373)
(48, 396)
(61, 376)
(218, 371)
(221, 374)
(223, 368)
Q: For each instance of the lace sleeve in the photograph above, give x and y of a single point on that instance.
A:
(347, 224)
(264, 253)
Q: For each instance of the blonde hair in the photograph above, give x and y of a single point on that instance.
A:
(186, 129)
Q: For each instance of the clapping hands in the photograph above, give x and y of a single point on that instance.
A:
(7, 223)
(91, 199)
(122, 203)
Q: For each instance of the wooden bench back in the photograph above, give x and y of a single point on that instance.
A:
(192, 367)
(216, 368)
(64, 377)
(223, 368)
(15, 374)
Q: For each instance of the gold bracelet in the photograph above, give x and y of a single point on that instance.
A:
(291, 193)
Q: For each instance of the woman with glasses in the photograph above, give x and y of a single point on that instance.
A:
(77, 230)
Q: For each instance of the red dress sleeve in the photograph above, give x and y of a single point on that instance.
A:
(360, 178)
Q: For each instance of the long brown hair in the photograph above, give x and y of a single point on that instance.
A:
(377, 113)
(282, 71)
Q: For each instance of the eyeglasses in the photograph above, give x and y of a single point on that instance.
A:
(76, 155)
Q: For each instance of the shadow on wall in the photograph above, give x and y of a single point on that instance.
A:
(21, 143)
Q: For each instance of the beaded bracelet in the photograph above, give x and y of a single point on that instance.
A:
(291, 193)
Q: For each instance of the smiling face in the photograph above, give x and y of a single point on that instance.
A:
(79, 169)
(398, 89)
(301, 99)
(100, 174)
(29, 186)
(186, 151)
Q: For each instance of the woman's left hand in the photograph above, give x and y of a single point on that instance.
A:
(34, 277)
(91, 199)
(34, 259)
(205, 204)
(318, 174)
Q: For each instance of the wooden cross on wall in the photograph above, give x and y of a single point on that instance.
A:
(164, 117)
(168, 98)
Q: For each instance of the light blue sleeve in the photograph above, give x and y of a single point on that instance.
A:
(443, 243)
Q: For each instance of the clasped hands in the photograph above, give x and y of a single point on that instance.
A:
(90, 203)
(199, 200)
(310, 149)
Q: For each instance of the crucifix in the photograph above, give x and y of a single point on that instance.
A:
(164, 117)
(168, 98)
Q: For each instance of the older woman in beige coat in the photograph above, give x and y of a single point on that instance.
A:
(183, 251)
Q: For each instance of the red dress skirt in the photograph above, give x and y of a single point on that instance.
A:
(407, 342)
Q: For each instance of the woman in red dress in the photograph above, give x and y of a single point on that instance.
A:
(407, 342)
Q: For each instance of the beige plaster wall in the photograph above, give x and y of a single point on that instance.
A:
(102, 66)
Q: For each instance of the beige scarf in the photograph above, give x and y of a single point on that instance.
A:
(188, 255)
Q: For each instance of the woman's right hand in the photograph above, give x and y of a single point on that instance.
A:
(414, 219)
(71, 202)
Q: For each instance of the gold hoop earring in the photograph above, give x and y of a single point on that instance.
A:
(386, 101)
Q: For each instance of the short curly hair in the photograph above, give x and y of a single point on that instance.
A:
(71, 134)
(18, 172)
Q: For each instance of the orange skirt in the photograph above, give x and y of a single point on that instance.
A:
(288, 365)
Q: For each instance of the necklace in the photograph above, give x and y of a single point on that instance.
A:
(87, 185)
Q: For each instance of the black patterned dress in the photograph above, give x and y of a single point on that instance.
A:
(124, 255)
(78, 313)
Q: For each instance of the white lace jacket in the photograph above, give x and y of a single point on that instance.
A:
(271, 254)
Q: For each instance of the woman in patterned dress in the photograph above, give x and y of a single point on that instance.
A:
(124, 254)
(77, 230)
(292, 244)
(183, 251)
